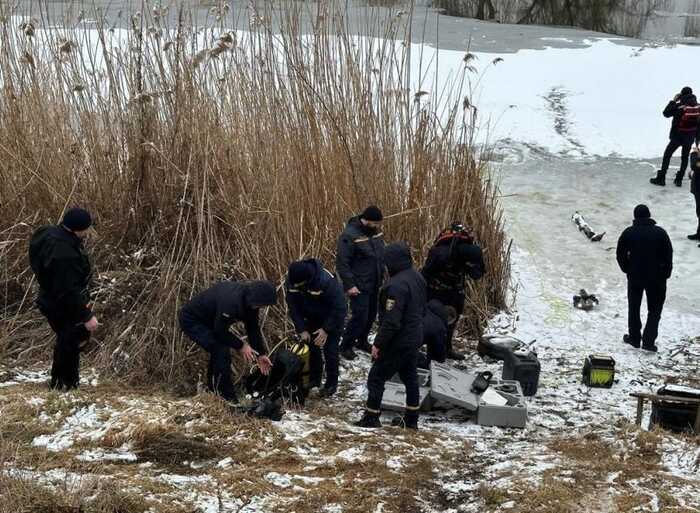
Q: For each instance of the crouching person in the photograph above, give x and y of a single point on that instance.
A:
(436, 325)
(402, 303)
(207, 319)
(317, 309)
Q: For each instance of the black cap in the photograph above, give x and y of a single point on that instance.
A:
(77, 220)
(301, 272)
(641, 212)
(686, 90)
(372, 213)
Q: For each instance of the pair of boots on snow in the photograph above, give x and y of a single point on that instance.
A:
(660, 179)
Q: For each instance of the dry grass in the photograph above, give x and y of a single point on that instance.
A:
(171, 448)
(222, 156)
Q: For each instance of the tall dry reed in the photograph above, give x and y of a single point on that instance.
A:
(207, 154)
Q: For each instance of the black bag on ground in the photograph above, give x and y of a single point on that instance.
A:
(284, 381)
(523, 366)
(676, 417)
(498, 348)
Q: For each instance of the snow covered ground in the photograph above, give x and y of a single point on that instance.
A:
(571, 127)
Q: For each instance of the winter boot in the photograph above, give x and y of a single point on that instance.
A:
(696, 235)
(660, 179)
(327, 391)
(628, 340)
(409, 420)
(452, 354)
(348, 354)
(651, 348)
(678, 180)
(369, 420)
(364, 346)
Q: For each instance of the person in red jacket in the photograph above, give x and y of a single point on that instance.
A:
(685, 130)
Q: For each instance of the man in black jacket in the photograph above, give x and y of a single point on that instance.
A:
(402, 308)
(695, 189)
(317, 308)
(62, 268)
(359, 263)
(453, 257)
(685, 129)
(436, 325)
(645, 255)
(207, 319)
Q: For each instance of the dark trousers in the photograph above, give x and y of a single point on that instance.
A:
(436, 351)
(697, 209)
(363, 311)
(65, 369)
(656, 296)
(329, 353)
(405, 363)
(219, 377)
(453, 298)
(680, 141)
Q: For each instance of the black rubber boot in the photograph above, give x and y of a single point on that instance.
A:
(660, 179)
(678, 180)
(651, 348)
(409, 420)
(628, 340)
(369, 420)
(348, 354)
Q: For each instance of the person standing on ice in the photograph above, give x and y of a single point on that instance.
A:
(695, 188)
(317, 308)
(62, 268)
(207, 318)
(402, 304)
(359, 263)
(685, 130)
(645, 255)
(453, 257)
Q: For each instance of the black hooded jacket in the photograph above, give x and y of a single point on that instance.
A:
(645, 253)
(435, 325)
(360, 257)
(321, 302)
(62, 269)
(402, 303)
(448, 265)
(675, 109)
(229, 302)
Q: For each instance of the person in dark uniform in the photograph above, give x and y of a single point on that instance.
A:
(452, 259)
(645, 255)
(695, 189)
(317, 308)
(436, 325)
(402, 304)
(359, 263)
(207, 318)
(62, 268)
(685, 130)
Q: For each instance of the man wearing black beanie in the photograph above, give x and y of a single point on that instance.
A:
(645, 255)
(360, 265)
(62, 268)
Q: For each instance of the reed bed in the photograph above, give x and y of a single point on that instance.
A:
(207, 154)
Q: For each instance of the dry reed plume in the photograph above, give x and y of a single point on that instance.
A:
(206, 154)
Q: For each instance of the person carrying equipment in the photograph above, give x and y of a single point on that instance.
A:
(453, 257)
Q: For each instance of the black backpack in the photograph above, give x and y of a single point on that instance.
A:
(284, 381)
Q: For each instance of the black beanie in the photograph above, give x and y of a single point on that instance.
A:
(641, 212)
(372, 213)
(77, 219)
(301, 271)
(686, 90)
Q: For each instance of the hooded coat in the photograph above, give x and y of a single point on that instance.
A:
(226, 303)
(675, 109)
(402, 302)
